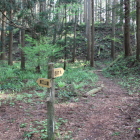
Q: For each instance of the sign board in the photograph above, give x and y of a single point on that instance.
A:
(44, 82)
(58, 72)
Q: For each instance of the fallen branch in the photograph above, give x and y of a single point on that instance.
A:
(95, 90)
(119, 57)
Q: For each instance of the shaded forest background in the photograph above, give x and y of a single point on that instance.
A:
(43, 31)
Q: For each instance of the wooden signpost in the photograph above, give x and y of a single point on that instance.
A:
(49, 83)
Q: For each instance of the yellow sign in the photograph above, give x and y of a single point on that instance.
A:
(44, 82)
(58, 72)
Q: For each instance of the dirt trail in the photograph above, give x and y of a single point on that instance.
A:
(109, 115)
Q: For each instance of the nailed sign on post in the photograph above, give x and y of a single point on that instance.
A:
(49, 83)
(58, 72)
(44, 82)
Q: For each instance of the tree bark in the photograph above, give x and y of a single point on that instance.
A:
(113, 31)
(22, 52)
(138, 31)
(109, 10)
(121, 12)
(86, 15)
(0, 30)
(107, 16)
(22, 42)
(74, 44)
(3, 48)
(92, 36)
(89, 30)
(10, 59)
(133, 8)
(96, 7)
(127, 29)
(85, 10)
(100, 2)
(65, 48)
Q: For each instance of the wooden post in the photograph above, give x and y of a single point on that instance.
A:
(49, 83)
(50, 104)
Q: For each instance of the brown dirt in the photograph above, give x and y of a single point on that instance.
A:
(111, 114)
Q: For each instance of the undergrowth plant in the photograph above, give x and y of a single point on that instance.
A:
(127, 71)
(75, 78)
(40, 52)
(61, 84)
(40, 128)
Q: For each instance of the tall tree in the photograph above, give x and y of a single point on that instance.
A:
(107, 12)
(86, 15)
(81, 12)
(109, 9)
(22, 41)
(96, 11)
(65, 48)
(0, 29)
(133, 19)
(92, 36)
(10, 59)
(22, 46)
(138, 31)
(113, 30)
(121, 12)
(3, 36)
(85, 10)
(127, 29)
(74, 43)
(100, 17)
(89, 29)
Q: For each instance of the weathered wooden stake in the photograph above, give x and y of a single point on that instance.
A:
(50, 104)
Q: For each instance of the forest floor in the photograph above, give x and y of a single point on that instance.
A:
(111, 114)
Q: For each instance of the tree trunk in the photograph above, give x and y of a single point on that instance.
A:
(101, 19)
(138, 31)
(65, 48)
(10, 60)
(121, 12)
(81, 13)
(74, 44)
(3, 45)
(96, 7)
(22, 42)
(86, 16)
(107, 16)
(85, 11)
(127, 29)
(92, 36)
(133, 8)
(113, 31)
(0, 30)
(109, 10)
(89, 30)
(22, 52)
